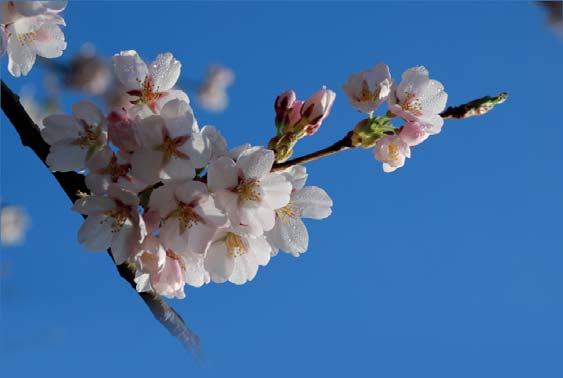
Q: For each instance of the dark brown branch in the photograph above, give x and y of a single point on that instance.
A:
(476, 107)
(73, 184)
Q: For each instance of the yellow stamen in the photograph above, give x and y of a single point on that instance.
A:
(235, 245)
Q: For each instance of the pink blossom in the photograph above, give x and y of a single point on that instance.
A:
(413, 133)
(392, 151)
(369, 89)
(121, 131)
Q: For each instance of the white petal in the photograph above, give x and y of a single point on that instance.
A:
(212, 215)
(172, 238)
(290, 235)
(150, 131)
(255, 162)
(258, 219)
(88, 112)
(191, 191)
(199, 238)
(261, 249)
(276, 190)
(218, 262)
(124, 196)
(93, 205)
(222, 174)
(165, 71)
(177, 169)
(65, 157)
(246, 267)
(198, 149)
(195, 274)
(218, 144)
(130, 69)
(123, 242)
(146, 165)
(313, 202)
(296, 175)
(95, 233)
(162, 199)
(59, 127)
(49, 41)
(20, 58)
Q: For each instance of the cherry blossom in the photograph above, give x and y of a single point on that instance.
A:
(166, 272)
(369, 89)
(150, 85)
(14, 225)
(218, 144)
(122, 132)
(246, 189)
(74, 140)
(32, 36)
(418, 98)
(190, 217)
(289, 233)
(172, 146)
(391, 150)
(107, 167)
(36, 8)
(235, 256)
(112, 221)
(212, 94)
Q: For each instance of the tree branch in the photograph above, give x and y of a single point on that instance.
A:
(73, 183)
(476, 107)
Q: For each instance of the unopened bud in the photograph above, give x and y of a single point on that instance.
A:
(318, 106)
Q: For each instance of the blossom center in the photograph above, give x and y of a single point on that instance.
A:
(186, 215)
(171, 147)
(235, 245)
(393, 152)
(118, 217)
(147, 94)
(287, 212)
(26, 38)
(89, 136)
(248, 190)
(367, 95)
(412, 104)
(115, 170)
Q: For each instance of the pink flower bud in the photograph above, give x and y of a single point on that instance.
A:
(122, 131)
(284, 102)
(318, 106)
(413, 133)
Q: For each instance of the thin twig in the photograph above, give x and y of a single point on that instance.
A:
(476, 107)
(73, 183)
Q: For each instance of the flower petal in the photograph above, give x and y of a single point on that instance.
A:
(95, 233)
(218, 262)
(130, 69)
(222, 174)
(255, 162)
(165, 71)
(313, 202)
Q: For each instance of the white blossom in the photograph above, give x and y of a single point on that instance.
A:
(74, 140)
(171, 145)
(190, 217)
(369, 89)
(112, 221)
(235, 256)
(289, 233)
(247, 190)
(151, 85)
(418, 98)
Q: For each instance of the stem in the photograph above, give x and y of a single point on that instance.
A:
(472, 108)
(73, 183)
(343, 144)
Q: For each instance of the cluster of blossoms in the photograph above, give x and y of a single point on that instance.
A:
(418, 100)
(28, 29)
(170, 197)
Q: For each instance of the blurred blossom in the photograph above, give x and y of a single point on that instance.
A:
(34, 109)
(88, 72)
(15, 223)
(554, 11)
(212, 93)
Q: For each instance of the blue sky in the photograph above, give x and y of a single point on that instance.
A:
(450, 267)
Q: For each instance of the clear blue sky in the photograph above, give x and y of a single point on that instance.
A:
(451, 267)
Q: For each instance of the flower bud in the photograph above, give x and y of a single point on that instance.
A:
(318, 106)
(284, 102)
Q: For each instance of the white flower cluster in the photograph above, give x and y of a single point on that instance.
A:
(169, 196)
(418, 100)
(28, 29)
